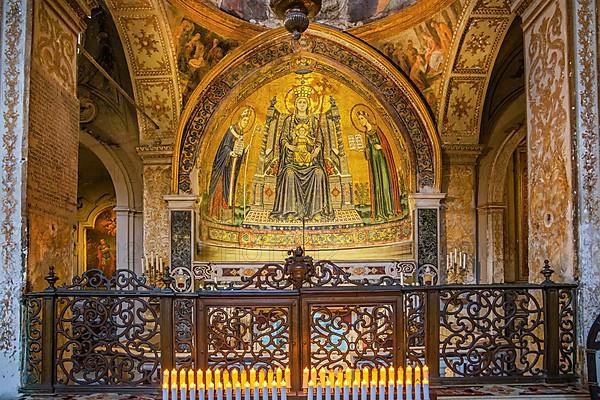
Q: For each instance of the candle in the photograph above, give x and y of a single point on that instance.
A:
(313, 375)
(391, 374)
(287, 377)
(165, 388)
(199, 378)
(305, 374)
(355, 389)
(310, 390)
(408, 385)
(417, 374)
(374, 375)
(217, 377)
(183, 391)
(265, 391)
(210, 391)
(275, 385)
(247, 391)
(201, 391)
(174, 389)
(383, 374)
(193, 391)
(408, 374)
(284, 390)
(336, 390)
(191, 376)
(425, 388)
(173, 377)
(228, 390)
(226, 377)
(322, 377)
(270, 377)
(219, 389)
(363, 389)
(327, 389)
(160, 263)
(279, 376)
(365, 374)
(373, 390)
(425, 373)
(357, 375)
(417, 390)
(391, 389)
(399, 384)
(261, 377)
(346, 389)
(381, 389)
(319, 390)
(165, 380)
(238, 391)
(256, 390)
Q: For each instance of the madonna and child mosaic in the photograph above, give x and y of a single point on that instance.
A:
(304, 155)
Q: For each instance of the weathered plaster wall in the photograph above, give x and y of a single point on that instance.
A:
(13, 112)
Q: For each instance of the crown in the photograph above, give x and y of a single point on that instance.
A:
(303, 91)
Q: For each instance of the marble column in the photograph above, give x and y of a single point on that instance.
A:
(425, 210)
(182, 222)
(459, 183)
(491, 257)
(14, 31)
(129, 238)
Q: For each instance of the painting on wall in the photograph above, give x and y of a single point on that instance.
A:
(101, 242)
(421, 52)
(198, 50)
(304, 154)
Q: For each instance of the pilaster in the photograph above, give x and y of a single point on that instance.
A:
(425, 209)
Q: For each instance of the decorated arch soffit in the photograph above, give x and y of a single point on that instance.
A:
(146, 37)
(362, 141)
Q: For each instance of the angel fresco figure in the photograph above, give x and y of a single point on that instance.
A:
(227, 162)
(385, 193)
(302, 188)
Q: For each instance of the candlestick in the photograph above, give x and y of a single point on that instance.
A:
(284, 390)
(327, 389)
(210, 392)
(228, 390)
(355, 389)
(238, 391)
(247, 391)
(265, 391)
(381, 389)
(336, 390)
(310, 390)
(346, 389)
(305, 373)
(391, 389)
(193, 391)
(425, 388)
(287, 377)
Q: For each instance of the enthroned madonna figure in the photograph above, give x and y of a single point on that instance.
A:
(302, 188)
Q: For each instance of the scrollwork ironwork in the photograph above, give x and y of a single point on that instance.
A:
(184, 332)
(414, 326)
(492, 332)
(566, 329)
(352, 335)
(107, 340)
(95, 279)
(33, 341)
(252, 336)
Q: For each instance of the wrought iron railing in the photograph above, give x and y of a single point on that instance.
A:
(115, 334)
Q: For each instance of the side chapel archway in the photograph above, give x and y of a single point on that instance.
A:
(329, 67)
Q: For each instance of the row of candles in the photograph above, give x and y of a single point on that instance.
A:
(320, 385)
(456, 260)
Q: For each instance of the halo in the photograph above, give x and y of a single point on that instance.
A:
(238, 113)
(362, 107)
(290, 101)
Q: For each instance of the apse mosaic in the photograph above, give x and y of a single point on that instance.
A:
(304, 158)
(341, 14)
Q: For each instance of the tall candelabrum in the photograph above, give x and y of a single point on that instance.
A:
(154, 269)
(457, 270)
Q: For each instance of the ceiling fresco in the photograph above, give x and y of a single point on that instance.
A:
(337, 13)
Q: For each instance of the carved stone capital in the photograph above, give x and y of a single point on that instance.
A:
(155, 154)
(528, 9)
(462, 153)
(425, 200)
(180, 202)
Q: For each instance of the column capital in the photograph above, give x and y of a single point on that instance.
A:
(155, 154)
(74, 12)
(425, 200)
(180, 202)
(462, 153)
(528, 10)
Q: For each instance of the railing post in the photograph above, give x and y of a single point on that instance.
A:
(432, 333)
(49, 332)
(201, 337)
(167, 348)
(551, 326)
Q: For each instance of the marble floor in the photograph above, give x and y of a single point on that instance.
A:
(520, 392)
